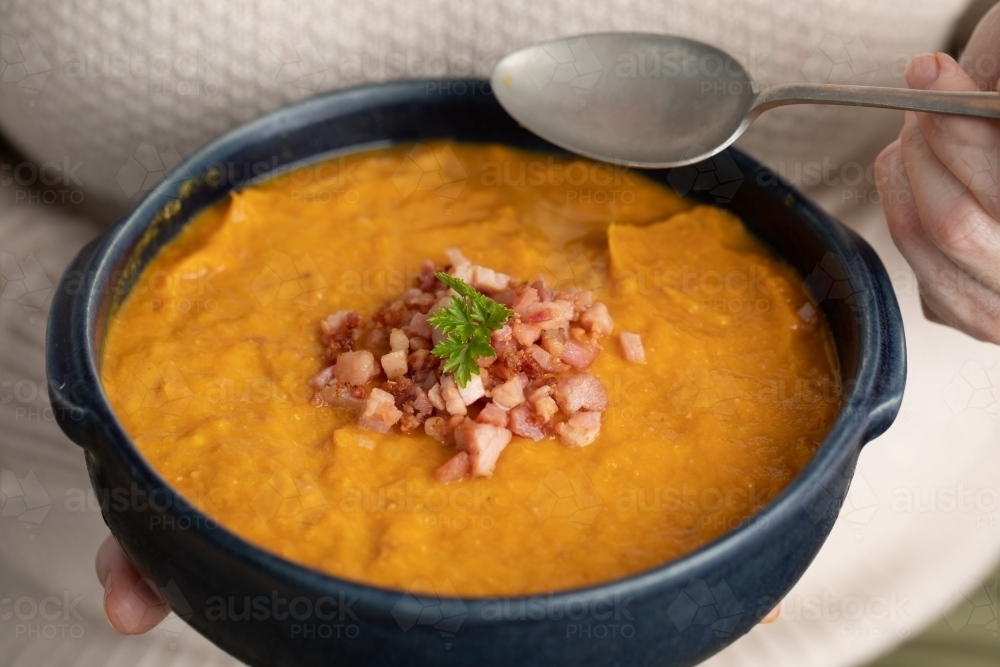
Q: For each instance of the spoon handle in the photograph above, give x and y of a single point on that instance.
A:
(981, 105)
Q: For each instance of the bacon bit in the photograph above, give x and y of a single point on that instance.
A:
(453, 402)
(322, 378)
(632, 348)
(545, 407)
(454, 468)
(439, 429)
(580, 429)
(487, 280)
(526, 334)
(355, 368)
(492, 414)
(509, 394)
(398, 340)
(580, 391)
(524, 422)
(483, 442)
(533, 387)
(380, 413)
(394, 364)
(545, 360)
(597, 320)
(579, 355)
(419, 327)
(525, 298)
(544, 293)
(434, 396)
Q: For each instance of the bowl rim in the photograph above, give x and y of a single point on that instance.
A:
(843, 441)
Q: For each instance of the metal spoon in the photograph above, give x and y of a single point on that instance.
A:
(661, 101)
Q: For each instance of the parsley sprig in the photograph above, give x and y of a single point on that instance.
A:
(468, 323)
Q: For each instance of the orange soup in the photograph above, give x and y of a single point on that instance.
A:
(207, 361)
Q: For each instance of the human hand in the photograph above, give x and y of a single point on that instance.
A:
(938, 186)
(132, 604)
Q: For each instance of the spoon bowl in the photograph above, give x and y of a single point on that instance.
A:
(659, 101)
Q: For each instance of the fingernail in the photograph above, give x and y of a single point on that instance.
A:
(923, 71)
(107, 592)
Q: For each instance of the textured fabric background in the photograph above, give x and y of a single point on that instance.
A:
(113, 93)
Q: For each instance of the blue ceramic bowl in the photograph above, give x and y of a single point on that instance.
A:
(268, 611)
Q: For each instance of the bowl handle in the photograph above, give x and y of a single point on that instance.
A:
(69, 376)
(888, 341)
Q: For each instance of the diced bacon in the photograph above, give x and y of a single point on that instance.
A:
(340, 396)
(335, 323)
(579, 355)
(398, 340)
(526, 334)
(580, 391)
(380, 413)
(376, 339)
(488, 280)
(545, 407)
(597, 320)
(322, 378)
(522, 421)
(418, 343)
(580, 429)
(552, 342)
(461, 267)
(525, 298)
(453, 402)
(420, 360)
(483, 442)
(439, 429)
(473, 390)
(505, 296)
(394, 364)
(581, 302)
(419, 327)
(544, 293)
(434, 396)
(421, 404)
(632, 349)
(454, 468)
(356, 367)
(427, 281)
(492, 414)
(545, 360)
(549, 314)
(509, 394)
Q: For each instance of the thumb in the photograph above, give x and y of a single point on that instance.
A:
(132, 603)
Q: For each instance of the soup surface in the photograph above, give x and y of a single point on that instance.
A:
(206, 364)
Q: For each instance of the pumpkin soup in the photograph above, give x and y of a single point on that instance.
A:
(718, 374)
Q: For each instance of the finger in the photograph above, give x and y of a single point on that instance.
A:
(772, 615)
(951, 216)
(966, 146)
(132, 604)
(950, 295)
(981, 56)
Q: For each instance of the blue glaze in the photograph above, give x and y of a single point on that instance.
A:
(676, 614)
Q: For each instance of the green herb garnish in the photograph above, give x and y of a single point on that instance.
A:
(467, 323)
